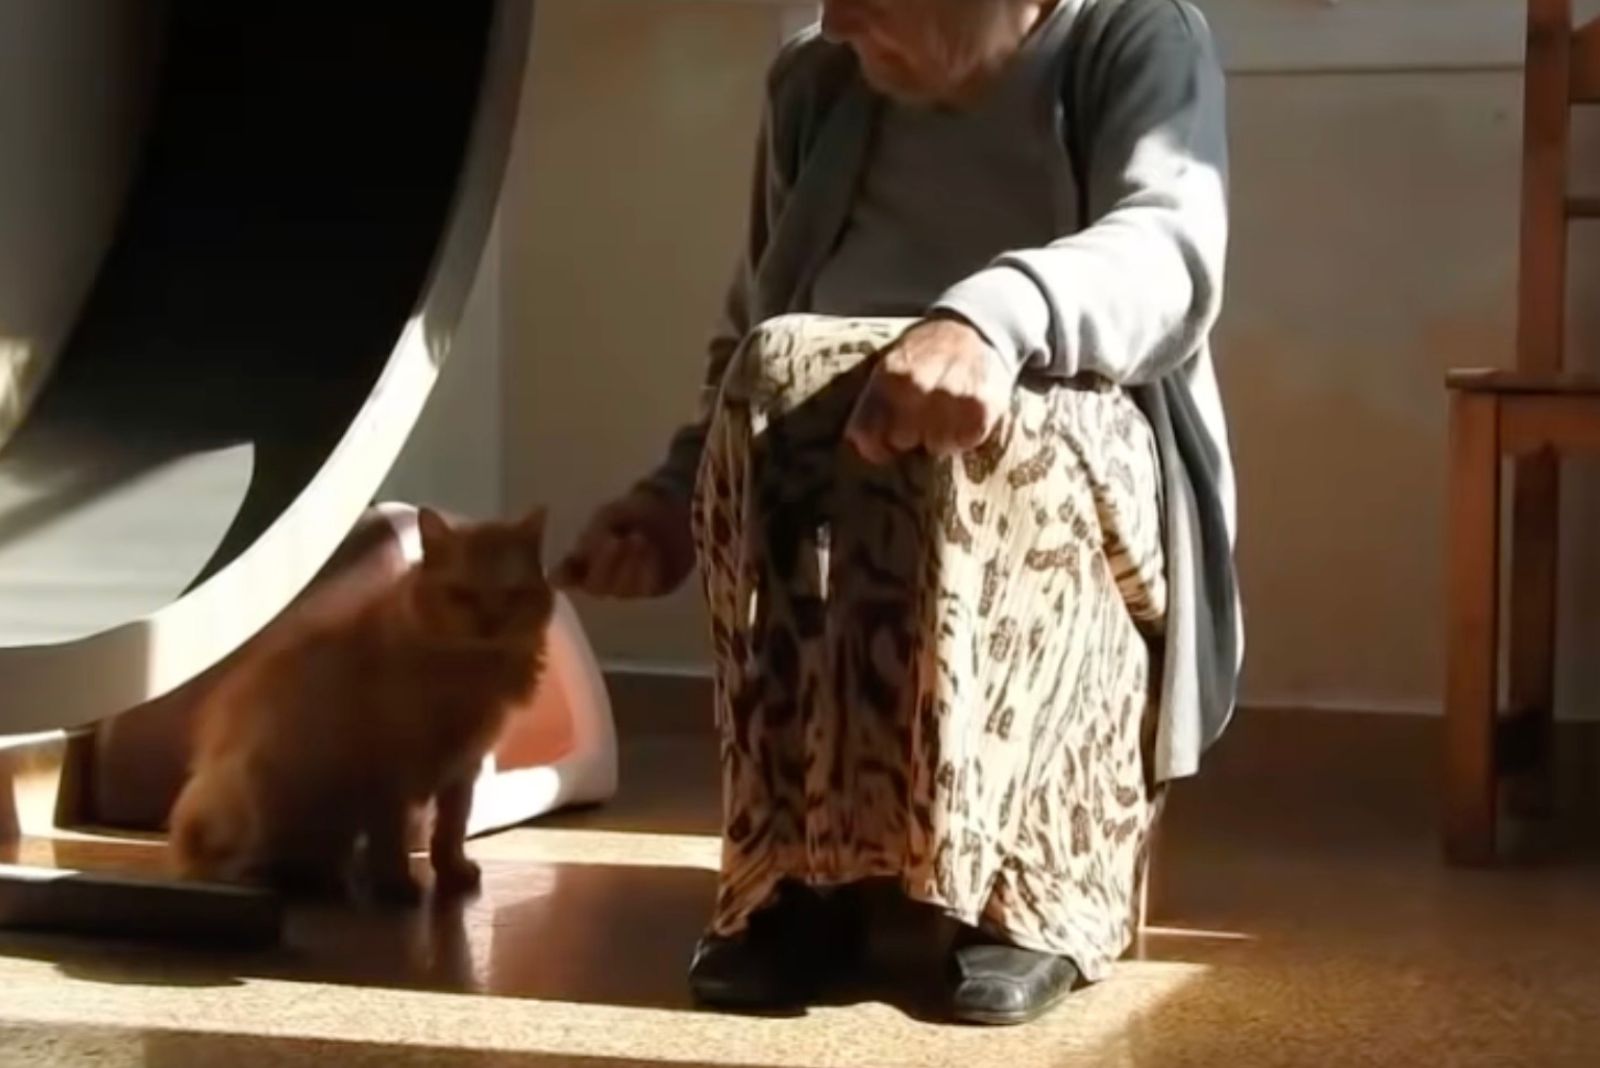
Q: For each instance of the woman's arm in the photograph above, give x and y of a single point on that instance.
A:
(1135, 293)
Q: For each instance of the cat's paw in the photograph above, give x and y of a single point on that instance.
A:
(457, 875)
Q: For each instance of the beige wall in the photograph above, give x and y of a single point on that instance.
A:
(76, 82)
(455, 456)
(621, 216)
(1374, 247)
(1374, 220)
(76, 78)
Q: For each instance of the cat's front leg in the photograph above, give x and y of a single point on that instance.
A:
(453, 871)
(389, 854)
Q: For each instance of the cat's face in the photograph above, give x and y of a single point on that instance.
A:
(483, 582)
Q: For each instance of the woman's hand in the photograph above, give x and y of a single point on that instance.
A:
(940, 387)
(637, 546)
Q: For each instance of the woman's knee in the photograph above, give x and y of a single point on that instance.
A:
(787, 359)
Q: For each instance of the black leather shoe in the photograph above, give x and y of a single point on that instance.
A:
(790, 951)
(997, 984)
(743, 972)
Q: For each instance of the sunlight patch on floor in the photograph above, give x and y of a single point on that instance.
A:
(38, 995)
(1194, 935)
(627, 848)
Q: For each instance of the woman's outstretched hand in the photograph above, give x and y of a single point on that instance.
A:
(635, 547)
(940, 387)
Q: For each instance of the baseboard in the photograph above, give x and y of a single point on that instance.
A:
(1346, 706)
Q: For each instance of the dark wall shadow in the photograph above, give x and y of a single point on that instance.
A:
(292, 200)
(294, 191)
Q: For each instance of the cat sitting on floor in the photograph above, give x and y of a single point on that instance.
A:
(338, 730)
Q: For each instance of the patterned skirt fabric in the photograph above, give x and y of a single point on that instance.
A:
(939, 671)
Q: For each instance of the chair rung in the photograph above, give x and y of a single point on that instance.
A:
(1509, 381)
(1583, 207)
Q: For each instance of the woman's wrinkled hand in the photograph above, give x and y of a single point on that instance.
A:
(941, 387)
(638, 546)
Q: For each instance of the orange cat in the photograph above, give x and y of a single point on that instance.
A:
(338, 729)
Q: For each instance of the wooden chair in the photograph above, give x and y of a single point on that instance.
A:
(1531, 414)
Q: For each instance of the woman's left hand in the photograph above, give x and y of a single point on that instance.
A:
(940, 387)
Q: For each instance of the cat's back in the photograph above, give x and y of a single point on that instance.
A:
(293, 688)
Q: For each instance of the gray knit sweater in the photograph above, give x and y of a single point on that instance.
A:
(1126, 284)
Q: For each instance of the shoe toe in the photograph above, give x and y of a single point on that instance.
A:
(732, 973)
(984, 996)
(996, 984)
(726, 971)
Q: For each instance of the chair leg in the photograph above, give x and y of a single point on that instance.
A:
(1535, 550)
(1472, 637)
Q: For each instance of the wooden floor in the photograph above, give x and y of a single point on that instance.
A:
(1302, 918)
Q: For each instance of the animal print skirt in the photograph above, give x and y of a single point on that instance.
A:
(935, 671)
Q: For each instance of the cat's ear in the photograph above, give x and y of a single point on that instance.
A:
(437, 536)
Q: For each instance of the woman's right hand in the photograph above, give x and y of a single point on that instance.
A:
(637, 546)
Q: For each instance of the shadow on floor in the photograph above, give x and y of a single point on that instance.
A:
(617, 935)
(1305, 919)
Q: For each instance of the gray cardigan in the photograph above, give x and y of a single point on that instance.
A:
(1130, 293)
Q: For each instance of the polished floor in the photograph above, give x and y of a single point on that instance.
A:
(1301, 918)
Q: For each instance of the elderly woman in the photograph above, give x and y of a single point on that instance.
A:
(960, 493)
